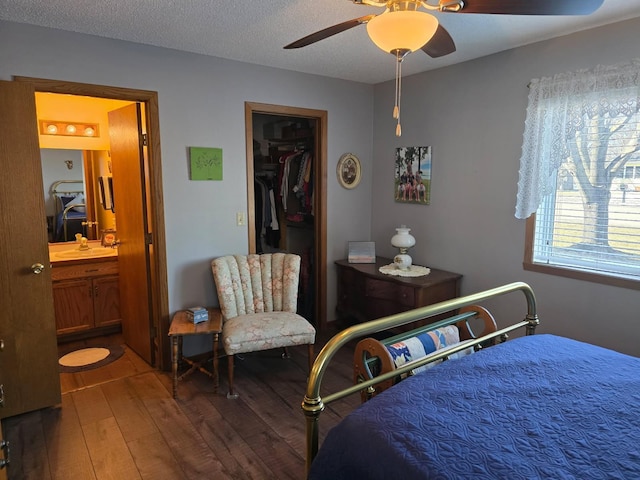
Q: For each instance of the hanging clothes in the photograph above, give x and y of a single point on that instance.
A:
(267, 225)
(295, 185)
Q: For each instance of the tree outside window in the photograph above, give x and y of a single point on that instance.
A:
(578, 174)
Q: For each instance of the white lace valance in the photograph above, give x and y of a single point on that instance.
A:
(559, 107)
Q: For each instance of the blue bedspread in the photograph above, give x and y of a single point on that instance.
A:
(537, 407)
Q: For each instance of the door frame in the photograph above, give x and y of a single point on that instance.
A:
(320, 192)
(155, 204)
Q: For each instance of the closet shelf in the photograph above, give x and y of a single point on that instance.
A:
(293, 139)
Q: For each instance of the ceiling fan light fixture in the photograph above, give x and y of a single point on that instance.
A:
(402, 30)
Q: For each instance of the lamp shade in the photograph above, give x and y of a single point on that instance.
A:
(403, 239)
(402, 30)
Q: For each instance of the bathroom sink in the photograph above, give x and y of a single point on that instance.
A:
(89, 253)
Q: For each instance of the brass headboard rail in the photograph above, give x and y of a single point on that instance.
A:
(313, 404)
(56, 185)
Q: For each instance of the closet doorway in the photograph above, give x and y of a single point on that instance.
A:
(286, 189)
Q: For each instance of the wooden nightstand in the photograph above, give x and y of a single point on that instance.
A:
(180, 326)
(366, 294)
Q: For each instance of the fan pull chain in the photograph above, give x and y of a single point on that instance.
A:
(396, 108)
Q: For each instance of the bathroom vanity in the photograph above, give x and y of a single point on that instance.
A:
(86, 293)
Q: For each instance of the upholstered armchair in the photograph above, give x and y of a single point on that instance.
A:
(258, 296)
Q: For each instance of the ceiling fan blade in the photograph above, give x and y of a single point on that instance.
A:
(328, 32)
(530, 7)
(441, 44)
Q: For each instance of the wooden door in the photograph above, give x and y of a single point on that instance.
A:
(129, 199)
(29, 360)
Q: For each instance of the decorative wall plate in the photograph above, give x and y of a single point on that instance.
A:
(349, 171)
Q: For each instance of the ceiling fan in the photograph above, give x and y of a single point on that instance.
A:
(441, 43)
(404, 27)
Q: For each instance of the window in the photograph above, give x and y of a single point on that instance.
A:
(580, 174)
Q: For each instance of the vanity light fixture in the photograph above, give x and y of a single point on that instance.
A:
(69, 129)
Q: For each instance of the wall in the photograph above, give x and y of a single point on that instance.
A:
(473, 115)
(201, 103)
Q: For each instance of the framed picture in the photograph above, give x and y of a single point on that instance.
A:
(349, 170)
(206, 163)
(412, 175)
(108, 238)
(362, 252)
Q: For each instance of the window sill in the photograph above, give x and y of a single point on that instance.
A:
(582, 275)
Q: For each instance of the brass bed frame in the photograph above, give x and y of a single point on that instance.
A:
(373, 358)
(313, 404)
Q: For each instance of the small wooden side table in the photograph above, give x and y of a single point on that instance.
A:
(180, 326)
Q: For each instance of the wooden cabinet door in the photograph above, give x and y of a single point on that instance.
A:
(29, 362)
(106, 301)
(73, 302)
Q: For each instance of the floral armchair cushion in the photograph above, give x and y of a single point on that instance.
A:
(264, 331)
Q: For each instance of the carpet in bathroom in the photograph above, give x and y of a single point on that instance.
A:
(87, 358)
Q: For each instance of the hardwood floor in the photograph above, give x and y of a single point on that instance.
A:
(130, 427)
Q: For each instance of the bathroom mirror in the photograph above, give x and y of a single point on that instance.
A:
(74, 191)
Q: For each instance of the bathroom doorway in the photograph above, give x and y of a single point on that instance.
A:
(148, 308)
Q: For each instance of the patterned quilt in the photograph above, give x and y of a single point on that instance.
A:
(536, 407)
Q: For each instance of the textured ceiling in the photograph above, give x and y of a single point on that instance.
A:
(255, 31)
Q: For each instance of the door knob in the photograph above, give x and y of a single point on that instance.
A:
(37, 268)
